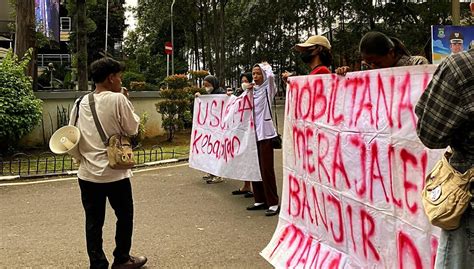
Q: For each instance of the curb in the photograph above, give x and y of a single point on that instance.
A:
(74, 172)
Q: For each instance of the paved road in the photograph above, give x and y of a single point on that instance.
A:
(180, 222)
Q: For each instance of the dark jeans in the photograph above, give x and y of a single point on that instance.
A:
(265, 191)
(120, 198)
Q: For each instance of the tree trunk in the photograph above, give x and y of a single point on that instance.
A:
(26, 35)
(196, 47)
(203, 47)
(208, 38)
(215, 37)
(81, 45)
(221, 48)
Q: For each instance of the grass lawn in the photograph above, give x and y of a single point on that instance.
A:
(43, 162)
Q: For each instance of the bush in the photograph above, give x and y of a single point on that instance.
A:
(128, 77)
(177, 81)
(137, 85)
(20, 110)
(143, 86)
(172, 110)
(140, 136)
(198, 73)
(151, 87)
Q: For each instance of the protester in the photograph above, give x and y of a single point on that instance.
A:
(245, 79)
(445, 118)
(316, 54)
(97, 180)
(380, 51)
(212, 86)
(265, 191)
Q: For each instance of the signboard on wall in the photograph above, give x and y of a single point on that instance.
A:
(448, 39)
(47, 18)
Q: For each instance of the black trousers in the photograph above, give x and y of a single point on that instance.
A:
(93, 197)
(265, 191)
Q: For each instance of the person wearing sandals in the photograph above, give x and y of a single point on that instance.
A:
(211, 84)
(246, 190)
(265, 191)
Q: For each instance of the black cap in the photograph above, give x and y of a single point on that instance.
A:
(456, 37)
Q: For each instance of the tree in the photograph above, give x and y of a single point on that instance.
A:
(227, 37)
(96, 38)
(81, 45)
(175, 105)
(26, 34)
(20, 110)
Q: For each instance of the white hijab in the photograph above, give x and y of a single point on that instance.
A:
(263, 95)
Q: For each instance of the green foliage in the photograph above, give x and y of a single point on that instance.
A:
(188, 116)
(20, 110)
(177, 81)
(143, 86)
(253, 31)
(140, 136)
(196, 74)
(172, 109)
(68, 83)
(95, 26)
(128, 77)
(150, 87)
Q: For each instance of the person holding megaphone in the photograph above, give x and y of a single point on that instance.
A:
(98, 181)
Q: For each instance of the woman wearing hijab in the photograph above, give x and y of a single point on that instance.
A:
(380, 51)
(211, 84)
(265, 191)
(246, 190)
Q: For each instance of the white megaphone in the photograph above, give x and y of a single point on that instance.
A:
(66, 140)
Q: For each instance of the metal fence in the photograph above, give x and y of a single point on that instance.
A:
(48, 164)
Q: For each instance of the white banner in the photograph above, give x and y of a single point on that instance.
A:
(353, 172)
(223, 139)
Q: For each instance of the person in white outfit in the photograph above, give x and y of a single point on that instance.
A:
(97, 180)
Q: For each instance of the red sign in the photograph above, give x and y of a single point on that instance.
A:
(168, 48)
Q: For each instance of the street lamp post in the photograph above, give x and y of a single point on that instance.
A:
(172, 40)
(106, 25)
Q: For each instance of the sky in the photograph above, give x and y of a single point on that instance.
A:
(130, 19)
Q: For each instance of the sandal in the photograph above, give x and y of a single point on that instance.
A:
(239, 192)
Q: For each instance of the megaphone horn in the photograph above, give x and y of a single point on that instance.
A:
(66, 140)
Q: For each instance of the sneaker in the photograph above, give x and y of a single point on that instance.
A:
(207, 177)
(214, 180)
(132, 263)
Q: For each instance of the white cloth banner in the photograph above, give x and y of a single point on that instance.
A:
(223, 139)
(353, 171)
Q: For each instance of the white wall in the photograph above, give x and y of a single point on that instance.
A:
(142, 101)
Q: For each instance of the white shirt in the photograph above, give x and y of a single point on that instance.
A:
(263, 113)
(116, 115)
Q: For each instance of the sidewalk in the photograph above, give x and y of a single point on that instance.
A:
(180, 222)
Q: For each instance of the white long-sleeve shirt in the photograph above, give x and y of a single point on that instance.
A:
(116, 115)
(263, 113)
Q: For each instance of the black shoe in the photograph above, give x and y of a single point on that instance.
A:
(207, 177)
(257, 207)
(248, 194)
(239, 192)
(270, 212)
(132, 263)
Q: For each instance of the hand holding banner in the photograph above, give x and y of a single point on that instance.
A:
(223, 140)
